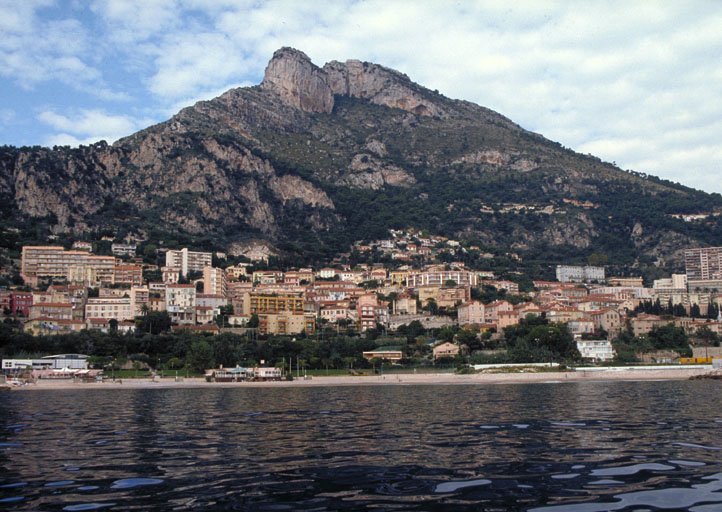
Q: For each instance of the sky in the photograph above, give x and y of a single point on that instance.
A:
(635, 83)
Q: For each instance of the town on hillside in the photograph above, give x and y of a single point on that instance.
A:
(417, 311)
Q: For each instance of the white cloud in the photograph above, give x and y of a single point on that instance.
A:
(637, 83)
(88, 126)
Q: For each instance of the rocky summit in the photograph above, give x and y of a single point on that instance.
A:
(316, 158)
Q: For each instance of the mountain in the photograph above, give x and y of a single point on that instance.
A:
(313, 159)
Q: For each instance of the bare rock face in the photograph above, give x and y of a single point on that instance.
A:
(380, 85)
(368, 172)
(298, 82)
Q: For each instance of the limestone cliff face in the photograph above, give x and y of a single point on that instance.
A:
(379, 85)
(186, 185)
(297, 81)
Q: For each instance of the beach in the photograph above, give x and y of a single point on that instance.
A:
(382, 380)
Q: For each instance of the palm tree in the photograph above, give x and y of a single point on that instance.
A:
(326, 361)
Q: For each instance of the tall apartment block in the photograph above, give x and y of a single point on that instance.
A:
(214, 281)
(188, 261)
(703, 264)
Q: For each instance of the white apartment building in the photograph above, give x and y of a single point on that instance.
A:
(441, 277)
(123, 250)
(579, 274)
(596, 350)
(180, 302)
(187, 261)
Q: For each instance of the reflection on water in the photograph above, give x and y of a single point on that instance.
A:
(552, 447)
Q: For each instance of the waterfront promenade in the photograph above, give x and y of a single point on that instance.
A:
(649, 373)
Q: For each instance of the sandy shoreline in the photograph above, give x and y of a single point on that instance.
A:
(381, 380)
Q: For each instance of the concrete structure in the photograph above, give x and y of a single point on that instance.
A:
(286, 323)
(180, 303)
(392, 354)
(416, 279)
(446, 349)
(118, 308)
(46, 326)
(123, 250)
(56, 362)
(55, 262)
(579, 274)
(20, 303)
(130, 275)
(596, 350)
(473, 312)
(262, 303)
(188, 261)
(405, 304)
(703, 263)
(214, 281)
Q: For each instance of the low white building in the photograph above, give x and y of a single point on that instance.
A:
(596, 350)
(56, 362)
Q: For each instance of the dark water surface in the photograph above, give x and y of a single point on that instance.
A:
(589, 446)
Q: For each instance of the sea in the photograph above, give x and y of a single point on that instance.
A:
(586, 446)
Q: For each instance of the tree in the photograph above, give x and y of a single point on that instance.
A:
(708, 336)
(200, 356)
(253, 321)
(154, 322)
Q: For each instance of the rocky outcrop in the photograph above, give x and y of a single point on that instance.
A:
(379, 85)
(298, 82)
(366, 171)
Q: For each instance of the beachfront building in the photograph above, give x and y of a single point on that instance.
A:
(392, 354)
(55, 362)
(596, 350)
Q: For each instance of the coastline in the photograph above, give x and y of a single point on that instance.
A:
(380, 380)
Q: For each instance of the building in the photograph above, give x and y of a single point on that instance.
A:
(56, 362)
(473, 312)
(81, 245)
(579, 274)
(47, 326)
(262, 303)
(609, 320)
(123, 250)
(286, 323)
(416, 279)
(450, 297)
(20, 303)
(188, 261)
(118, 308)
(392, 354)
(703, 264)
(596, 350)
(445, 350)
(368, 309)
(405, 304)
(267, 277)
(54, 310)
(57, 263)
(214, 281)
(180, 303)
(129, 275)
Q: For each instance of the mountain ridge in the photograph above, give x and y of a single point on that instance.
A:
(294, 160)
